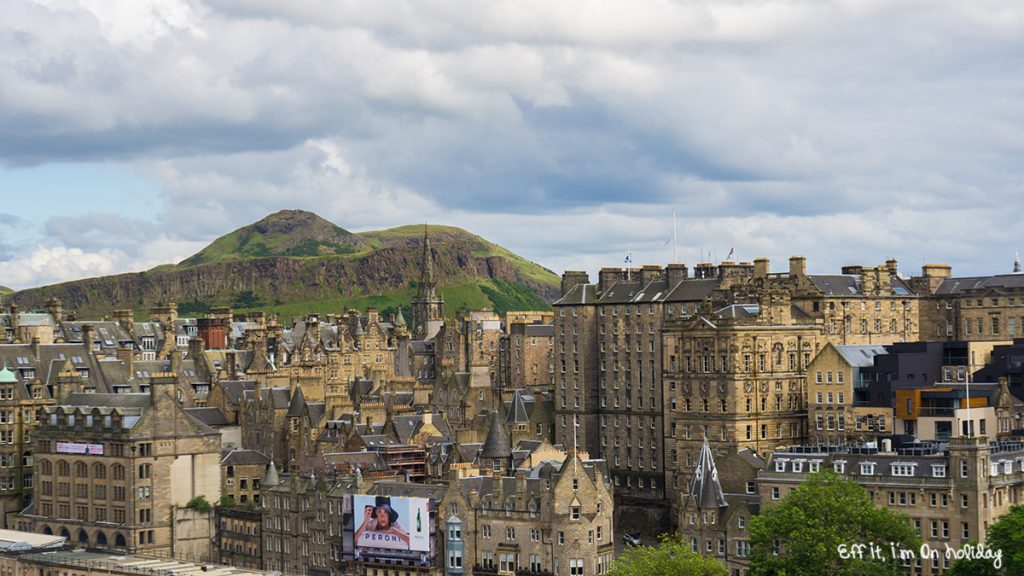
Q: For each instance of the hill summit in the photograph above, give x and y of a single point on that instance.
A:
(294, 262)
(284, 233)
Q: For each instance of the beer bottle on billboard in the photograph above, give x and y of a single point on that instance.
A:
(419, 522)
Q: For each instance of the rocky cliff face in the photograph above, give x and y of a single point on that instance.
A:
(282, 279)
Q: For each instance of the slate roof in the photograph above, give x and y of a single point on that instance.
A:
(860, 355)
(517, 412)
(579, 294)
(209, 415)
(241, 457)
(498, 443)
(954, 286)
(297, 403)
(692, 290)
(369, 460)
(705, 488)
(621, 293)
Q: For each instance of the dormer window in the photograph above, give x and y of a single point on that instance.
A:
(867, 468)
(780, 464)
(902, 469)
(574, 513)
(839, 466)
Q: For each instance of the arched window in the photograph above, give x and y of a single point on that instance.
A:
(46, 467)
(101, 538)
(81, 470)
(118, 472)
(64, 532)
(119, 541)
(99, 471)
(63, 469)
(83, 538)
(48, 531)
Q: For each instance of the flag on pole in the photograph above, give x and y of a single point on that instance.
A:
(732, 251)
(629, 258)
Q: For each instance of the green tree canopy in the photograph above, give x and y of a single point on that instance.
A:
(1005, 536)
(802, 535)
(672, 558)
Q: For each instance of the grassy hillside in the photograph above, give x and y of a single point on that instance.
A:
(294, 262)
(480, 247)
(473, 294)
(285, 233)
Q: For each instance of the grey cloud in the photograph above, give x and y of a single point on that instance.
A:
(731, 111)
(96, 231)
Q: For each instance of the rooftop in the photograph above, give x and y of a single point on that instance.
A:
(141, 565)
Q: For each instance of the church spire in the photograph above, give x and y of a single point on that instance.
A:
(427, 305)
(427, 274)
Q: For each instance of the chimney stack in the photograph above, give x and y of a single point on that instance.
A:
(797, 266)
(87, 337)
(676, 273)
(573, 278)
(761, 267)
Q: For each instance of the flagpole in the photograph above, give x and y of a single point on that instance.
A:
(629, 261)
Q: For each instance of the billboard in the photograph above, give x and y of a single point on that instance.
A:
(79, 448)
(391, 526)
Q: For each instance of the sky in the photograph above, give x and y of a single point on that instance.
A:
(134, 132)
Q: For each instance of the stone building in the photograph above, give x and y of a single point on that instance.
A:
(863, 305)
(608, 393)
(736, 379)
(952, 493)
(977, 308)
(719, 501)
(20, 398)
(241, 472)
(239, 540)
(527, 361)
(302, 524)
(111, 468)
(552, 518)
(838, 404)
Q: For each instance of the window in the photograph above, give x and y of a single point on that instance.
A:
(867, 468)
(454, 558)
(574, 513)
(775, 492)
(576, 567)
(902, 469)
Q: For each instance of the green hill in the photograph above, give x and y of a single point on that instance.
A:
(294, 262)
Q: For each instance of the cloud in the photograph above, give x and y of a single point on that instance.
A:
(778, 125)
(49, 265)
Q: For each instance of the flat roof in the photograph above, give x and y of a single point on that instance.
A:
(133, 564)
(15, 540)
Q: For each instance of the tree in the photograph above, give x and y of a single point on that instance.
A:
(672, 557)
(1005, 536)
(804, 533)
